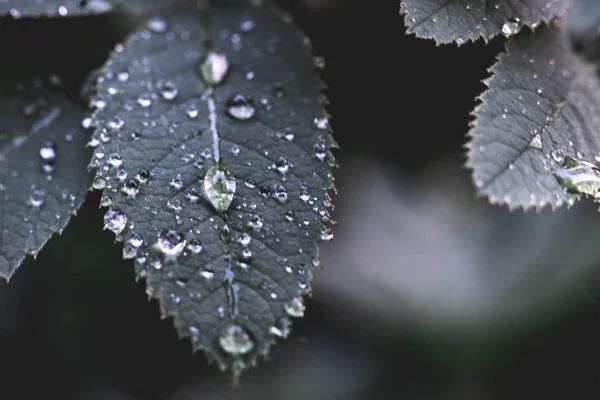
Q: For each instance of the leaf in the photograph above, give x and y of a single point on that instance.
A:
(462, 20)
(169, 107)
(64, 8)
(43, 175)
(582, 22)
(541, 107)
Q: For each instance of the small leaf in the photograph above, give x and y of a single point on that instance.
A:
(214, 155)
(463, 20)
(43, 175)
(65, 8)
(542, 107)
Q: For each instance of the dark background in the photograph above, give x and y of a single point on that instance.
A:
(75, 325)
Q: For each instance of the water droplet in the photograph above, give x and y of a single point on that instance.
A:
(131, 188)
(536, 142)
(168, 90)
(282, 165)
(193, 195)
(115, 160)
(48, 152)
(135, 240)
(214, 68)
(295, 308)
(321, 123)
(194, 246)
(157, 25)
(115, 220)
(207, 274)
(177, 182)
(264, 191)
(289, 215)
(578, 176)
(192, 111)
(98, 6)
(99, 183)
(106, 201)
(250, 183)
(235, 340)
(247, 25)
(144, 100)
(245, 239)
(37, 198)
(282, 329)
(511, 27)
(170, 243)
(281, 194)
(256, 222)
(219, 186)
(129, 251)
(143, 175)
(240, 107)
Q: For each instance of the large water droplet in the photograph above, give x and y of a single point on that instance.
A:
(578, 176)
(240, 107)
(511, 27)
(219, 186)
(170, 243)
(115, 220)
(213, 68)
(235, 340)
(295, 308)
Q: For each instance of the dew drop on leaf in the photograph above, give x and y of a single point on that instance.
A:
(536, 142)
(295, 308)
(157, 25)
(511, 27)
(219, 186)
(37, 198)
(235, 340)
(240, 107)
(170, 243)
(115, 220)
(168, 90)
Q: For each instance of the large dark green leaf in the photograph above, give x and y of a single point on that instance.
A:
(43, 175)
(231, 279)
(63, 8)
(462, 20)
(541, 107)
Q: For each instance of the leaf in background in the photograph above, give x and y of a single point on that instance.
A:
(542, 105)
(583, 23)
(458, 21)
(64, 8)
(43, 175)
(225, 247)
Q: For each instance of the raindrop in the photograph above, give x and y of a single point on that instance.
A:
(321, 123)
(250, 183)
(295, 308)
(282, 329)
(247, 25)
(192, 111)
(37, 198)
(157, 25)
(511, 27)
(99, 183)
(235, 340)
(219, 186)
(168, 90)
(115, 160)
(144, 100)
(264, 191)
(256, 222)
(48, 152)
(194, 246)
(245, 239)
(106, 201)
(170, 243)
(129, 251)
(177, 182)
(207, 274)
(282, 165)
(214, 67)
(193, 195)
(281, 194)
(240, 107)
(289, 215)
(143, 175)
(131, 188)
(135, 240)
(115, 220)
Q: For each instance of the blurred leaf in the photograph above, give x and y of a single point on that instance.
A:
(43, 175)
(458, 21)
(189, 123)
(583, 24)
(542, 105)
(63, 8)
